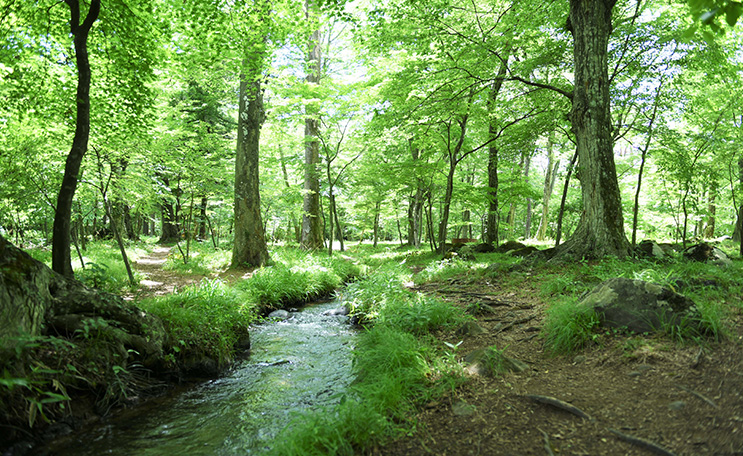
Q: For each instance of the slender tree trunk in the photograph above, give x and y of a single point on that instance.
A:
(491, 232)
(454, 158)
(202, 217)
(61, 259)
(527, 222)
(549, 185)
(601, 228)
(250, 243)
(709, 231)
(558, 230)
(312, 234)
(415, 207)
(376, 222)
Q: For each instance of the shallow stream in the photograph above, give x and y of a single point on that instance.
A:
(294, 365)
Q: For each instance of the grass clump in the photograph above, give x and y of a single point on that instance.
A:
(395, 370)
(202, 258)
(208, 319)
(297, 277)
(569, 326)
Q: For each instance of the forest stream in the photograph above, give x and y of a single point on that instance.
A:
(294, 365)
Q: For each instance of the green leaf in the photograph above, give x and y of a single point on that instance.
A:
(733, 12)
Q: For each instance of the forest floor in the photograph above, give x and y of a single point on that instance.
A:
(686, 399)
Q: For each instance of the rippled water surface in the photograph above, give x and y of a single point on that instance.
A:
(298, 364)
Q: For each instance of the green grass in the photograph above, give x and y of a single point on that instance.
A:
(396, 370)
(569, 326)
(203, 259)
(208, 318)
(297, 277)
(103, 266)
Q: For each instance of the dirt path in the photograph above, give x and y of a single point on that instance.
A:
(686, 399)
(157, 281)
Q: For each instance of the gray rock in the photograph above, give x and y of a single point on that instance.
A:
(650, 249)
(641, 306)
(677, 405)
(462, 408)
(469, 329)
(707, 253)
(343, 310)
(280, 314)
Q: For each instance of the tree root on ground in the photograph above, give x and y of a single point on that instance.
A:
(647, 444)
(560, 404)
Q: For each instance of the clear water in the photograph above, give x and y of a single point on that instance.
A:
(295, 365)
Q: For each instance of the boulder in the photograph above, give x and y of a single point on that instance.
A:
(509, 246)
(484, 248)
(523, 252)
(343, 310)
(641, 306)
(491, 362)
(650, 249)
(705, 252)
(279, 314)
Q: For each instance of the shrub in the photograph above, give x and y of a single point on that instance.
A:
(569, 326)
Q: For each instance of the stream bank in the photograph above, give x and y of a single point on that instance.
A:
(294, 365)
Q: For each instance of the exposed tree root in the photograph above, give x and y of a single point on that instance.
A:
(547, 446)
(647, 444)
(699, 395)
(512, 324)
(560, 404)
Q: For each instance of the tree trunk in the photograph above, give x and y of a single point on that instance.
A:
(491, 232)
(61, 259)
(169, 224)
(709, 231)
(250, 247)
(312, 234)
(549, 186)
(600, 231)
(376, 222)
(415, 207)
(527, 222)
(202, 217)
(453, 161)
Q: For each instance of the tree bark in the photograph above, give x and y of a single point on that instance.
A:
(549, 186)
(250, 247)
(312, 233)
(454, 159)
(61, 259)
(415, 206)
(527, 221)
(491, 232)
(600, 231)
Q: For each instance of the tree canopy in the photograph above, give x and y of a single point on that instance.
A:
(415, 121)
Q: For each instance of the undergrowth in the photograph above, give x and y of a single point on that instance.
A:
(396, 369)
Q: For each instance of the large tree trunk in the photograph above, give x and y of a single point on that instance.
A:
(600, 231)
(312, 233)
(169, 225)
(61, 259)
(250, 243)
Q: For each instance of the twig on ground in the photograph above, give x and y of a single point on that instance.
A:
(698, 358)
(647, 444)
(547, 446)
(514, 323)
(560, 404)
(699, 395)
